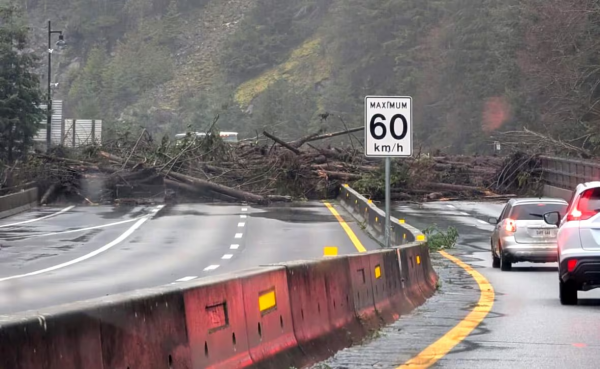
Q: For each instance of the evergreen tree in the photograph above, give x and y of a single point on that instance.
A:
(20, 94)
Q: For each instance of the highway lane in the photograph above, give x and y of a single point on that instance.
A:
(526, 328)
(171, 245)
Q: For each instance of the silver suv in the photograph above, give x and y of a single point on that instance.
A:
(521, 234)
(578, 242)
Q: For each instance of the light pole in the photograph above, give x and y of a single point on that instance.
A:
(60, 43)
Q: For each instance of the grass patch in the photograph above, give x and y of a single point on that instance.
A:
(438, 239)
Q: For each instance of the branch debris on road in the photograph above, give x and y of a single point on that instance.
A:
(260, 170)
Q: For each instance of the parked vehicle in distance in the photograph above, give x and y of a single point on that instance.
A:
(521, 234)
(578, 242)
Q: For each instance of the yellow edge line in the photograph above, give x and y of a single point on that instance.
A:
(453, 337)
(359, 246)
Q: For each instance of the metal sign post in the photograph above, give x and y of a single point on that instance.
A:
(388, 224)
(388, 133)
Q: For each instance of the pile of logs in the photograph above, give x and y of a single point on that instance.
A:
(260, 170)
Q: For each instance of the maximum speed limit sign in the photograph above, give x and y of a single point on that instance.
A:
(388, 126)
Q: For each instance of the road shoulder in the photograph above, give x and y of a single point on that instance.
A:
(399, 342)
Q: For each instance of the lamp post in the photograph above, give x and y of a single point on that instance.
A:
(60, 43)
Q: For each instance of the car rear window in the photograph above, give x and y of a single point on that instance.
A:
(590, 200)
(535, 211)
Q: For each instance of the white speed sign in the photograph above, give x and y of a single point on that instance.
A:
(388, 126)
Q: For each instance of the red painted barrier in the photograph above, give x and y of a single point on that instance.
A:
(312, 309)
(362, 287)
(342, 311)
(61, 340)
(379, 274)
(145, 332)
(269, 326)
(216, 325)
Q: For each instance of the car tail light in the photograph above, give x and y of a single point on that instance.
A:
(582, 203)
(576, 214)
(511, 225)
(571, 264)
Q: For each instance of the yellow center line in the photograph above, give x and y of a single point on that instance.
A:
(453, 337)
(359, 246)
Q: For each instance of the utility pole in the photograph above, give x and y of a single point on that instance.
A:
(60, 43)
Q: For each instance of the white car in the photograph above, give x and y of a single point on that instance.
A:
(521, 234)
(578, 242)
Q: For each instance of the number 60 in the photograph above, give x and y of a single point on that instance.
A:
(374, 124)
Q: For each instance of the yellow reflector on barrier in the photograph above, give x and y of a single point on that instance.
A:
(330, 251)
(418, 259)
(267, 300)
(401, 221)
(376, 219)
(345, 185)
(420, 237)
(369, 201)
(377, 272)
(404, 236)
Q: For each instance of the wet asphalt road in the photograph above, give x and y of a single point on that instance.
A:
(527, 327)
(88, 252)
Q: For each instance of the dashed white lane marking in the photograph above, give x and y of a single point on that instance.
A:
(108, 246)
(451, 206)
(210, 267)
(241, 224)
(243, 216)
(185, 279)
(482, 221)
(463, 213)
(234, 247)
(227, 256)
(238, 235)
(244, 209)
(40, 218)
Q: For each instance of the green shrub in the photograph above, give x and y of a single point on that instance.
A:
(440, 240)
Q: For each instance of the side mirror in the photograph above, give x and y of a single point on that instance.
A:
(493, 220)
(552, 218)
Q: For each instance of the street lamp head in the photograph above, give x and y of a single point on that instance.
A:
(61, 42)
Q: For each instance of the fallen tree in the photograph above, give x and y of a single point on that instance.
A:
(207, 168)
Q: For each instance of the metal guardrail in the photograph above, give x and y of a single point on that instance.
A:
(568, 173)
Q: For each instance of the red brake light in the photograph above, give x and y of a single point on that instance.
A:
(571, 264)
(577, 214)
(511, 225)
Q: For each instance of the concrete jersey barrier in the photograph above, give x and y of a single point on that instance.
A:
(18, 202)
(374, 219)
(276, 316)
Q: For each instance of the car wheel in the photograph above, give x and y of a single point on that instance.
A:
(505, 265)
(495, 261)
(567, 293)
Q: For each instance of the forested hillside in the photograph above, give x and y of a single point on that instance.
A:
(474, 68)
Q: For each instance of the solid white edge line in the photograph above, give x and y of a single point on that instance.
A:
(211, 267)
(241, 224)
(482, 221)
(227, 256)
(234, 247)
(185, 279)
(41, 218)
(87, 228)
(238, 235)
(118, 240)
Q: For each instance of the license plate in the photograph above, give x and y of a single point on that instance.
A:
(544, 233)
